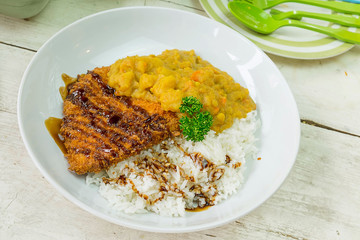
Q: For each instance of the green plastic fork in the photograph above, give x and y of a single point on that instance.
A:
(344, 7)
(262, 22)
(345, 20)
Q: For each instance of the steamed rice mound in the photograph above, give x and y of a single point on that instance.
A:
(178, 174)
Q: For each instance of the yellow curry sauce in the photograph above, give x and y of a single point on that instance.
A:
(174, 74)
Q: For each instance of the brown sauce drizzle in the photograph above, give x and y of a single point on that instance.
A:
(159, 169)
(64, 91)
(53, 126)
(198, 209)
(154, 122)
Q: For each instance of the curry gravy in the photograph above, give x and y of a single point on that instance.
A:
(174, 74)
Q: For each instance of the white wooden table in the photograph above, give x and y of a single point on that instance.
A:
(319, 200)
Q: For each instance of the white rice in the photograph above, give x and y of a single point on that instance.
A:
(187, 184)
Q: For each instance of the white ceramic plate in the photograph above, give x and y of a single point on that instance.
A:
(99, 40)
(288, 42)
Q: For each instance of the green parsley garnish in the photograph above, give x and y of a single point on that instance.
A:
(190, 105)
(197, 124)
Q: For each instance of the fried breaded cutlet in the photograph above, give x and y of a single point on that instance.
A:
(101, 129)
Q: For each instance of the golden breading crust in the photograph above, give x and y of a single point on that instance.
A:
(101, 129)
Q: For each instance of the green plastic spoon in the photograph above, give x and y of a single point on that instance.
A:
(262, 22)
(345, 20)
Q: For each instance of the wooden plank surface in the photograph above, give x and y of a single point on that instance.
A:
(326, 91)
(33, 32)
(319, 200)
(13, 62)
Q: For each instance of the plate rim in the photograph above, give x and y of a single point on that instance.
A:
(114, 220)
